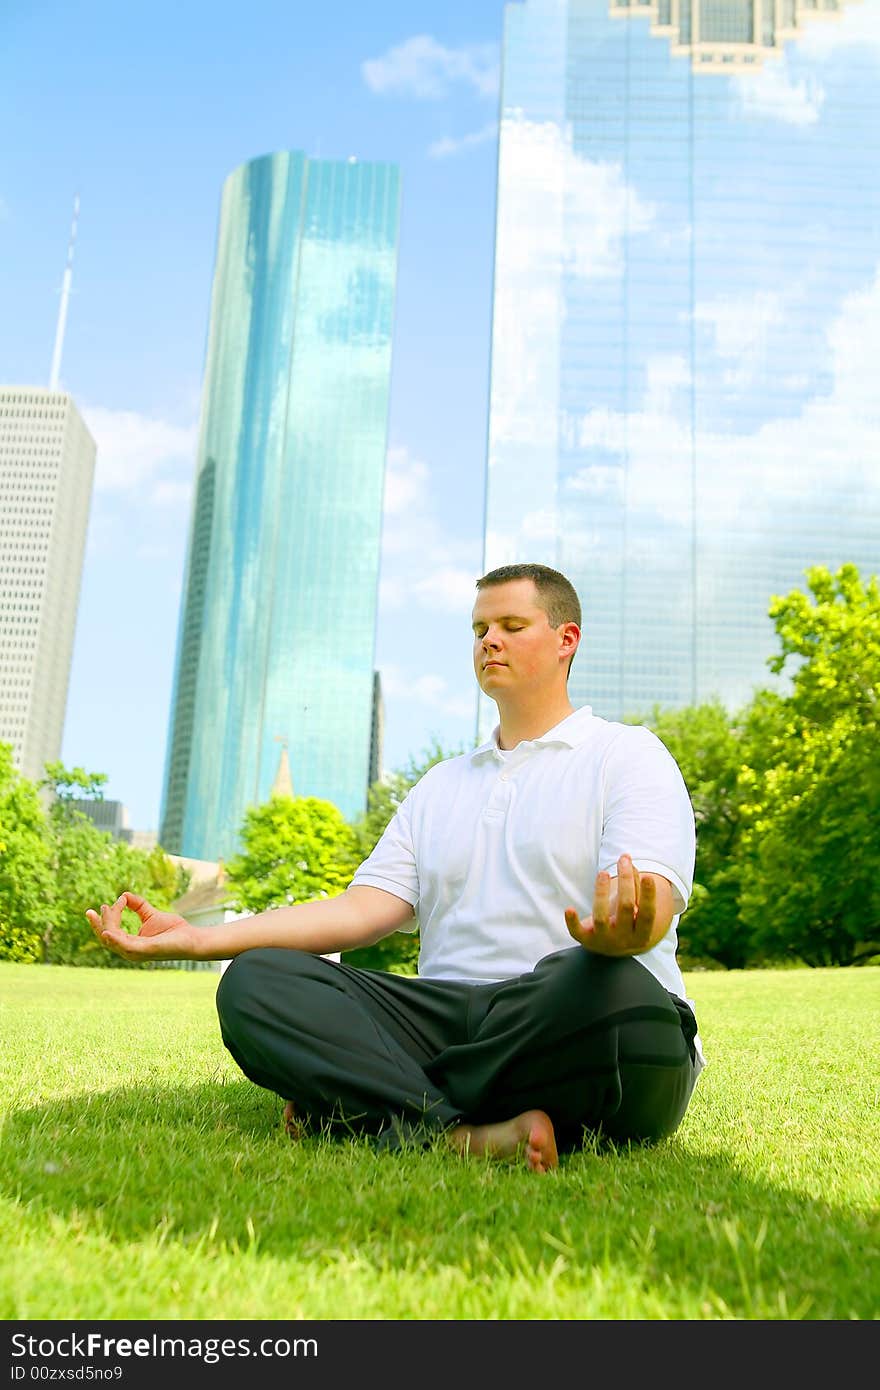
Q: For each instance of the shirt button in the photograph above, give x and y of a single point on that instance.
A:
(505, 777)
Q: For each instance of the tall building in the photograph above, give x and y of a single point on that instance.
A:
(684, 411)
(47, 464)
(112, 817)
(277, 626)
(377, 734)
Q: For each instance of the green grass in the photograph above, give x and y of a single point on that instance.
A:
(142, 1177)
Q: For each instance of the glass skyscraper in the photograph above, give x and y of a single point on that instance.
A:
(278, 613)
(684, 411)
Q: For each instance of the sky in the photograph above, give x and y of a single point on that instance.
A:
(141, 111)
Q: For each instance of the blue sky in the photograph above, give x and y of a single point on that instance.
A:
(142, 111)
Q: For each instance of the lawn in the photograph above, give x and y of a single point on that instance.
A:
(141, 1177)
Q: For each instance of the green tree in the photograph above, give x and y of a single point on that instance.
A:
(73, 784)
(90, 867)
(813, 884)
(25, 865)
(832, 636)
(294, 849)
(707, 743)
(167, 881)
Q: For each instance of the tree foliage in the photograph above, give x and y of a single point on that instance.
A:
(811, 822)
(90, 867)
(707, 743)
(786, 792)
(294, 849)
(54, 863)
(25, 865)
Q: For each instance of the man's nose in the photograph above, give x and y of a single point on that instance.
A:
(490, 638)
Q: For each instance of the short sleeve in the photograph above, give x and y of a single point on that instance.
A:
(648, 812)
(392, 864)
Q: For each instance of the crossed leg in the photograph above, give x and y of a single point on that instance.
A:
(581, 1042)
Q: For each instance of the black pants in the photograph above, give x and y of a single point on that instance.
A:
(595, 1041)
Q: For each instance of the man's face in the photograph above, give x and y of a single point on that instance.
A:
(515, 647)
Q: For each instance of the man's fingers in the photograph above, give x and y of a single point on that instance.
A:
(602, 900)
(133, 901)
(108, 928)
(626, 891)
(108, 920)
(113, 937)
(111, 916)
(576, 927)
(583, 931)
(647, 901)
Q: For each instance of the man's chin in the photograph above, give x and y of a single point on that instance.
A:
(490, 678)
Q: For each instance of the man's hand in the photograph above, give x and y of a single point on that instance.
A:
(630, 913)
(162, 935)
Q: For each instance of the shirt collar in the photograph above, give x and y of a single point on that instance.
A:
(571, 731)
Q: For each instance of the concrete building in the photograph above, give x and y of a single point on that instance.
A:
(377, 735)
(727, 34)
(113, 817)
(109, 816)
(47, 463)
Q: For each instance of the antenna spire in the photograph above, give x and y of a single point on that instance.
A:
(65, 296)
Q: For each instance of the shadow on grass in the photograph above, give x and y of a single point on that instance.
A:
(212, 1163)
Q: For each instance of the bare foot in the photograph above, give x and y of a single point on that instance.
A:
(530, 1134)
(292, 1124)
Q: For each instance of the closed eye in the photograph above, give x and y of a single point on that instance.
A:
(480, 629)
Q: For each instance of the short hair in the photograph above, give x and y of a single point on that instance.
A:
(555, 594)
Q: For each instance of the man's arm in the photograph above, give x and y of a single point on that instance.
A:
(360, 916)
(630, 913)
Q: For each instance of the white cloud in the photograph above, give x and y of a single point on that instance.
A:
(421, 67)
(429, 689)
(854, 337)
(392, 593)
(448, 145)
(667, 374)
(742, 329)
(410, 529)
(422, 563)
(171, 492)
(137, 452)
(856, 24)
(447, 588)
(772, 92)
(736, 324)
(560, 215)
(829, 451)
(406, 482)
(559, 210)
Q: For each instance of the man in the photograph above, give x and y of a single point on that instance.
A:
(529, 1024)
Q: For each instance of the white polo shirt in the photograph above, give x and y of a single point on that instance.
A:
(490, 847)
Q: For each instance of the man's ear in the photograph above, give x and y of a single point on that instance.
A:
(571, 636)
